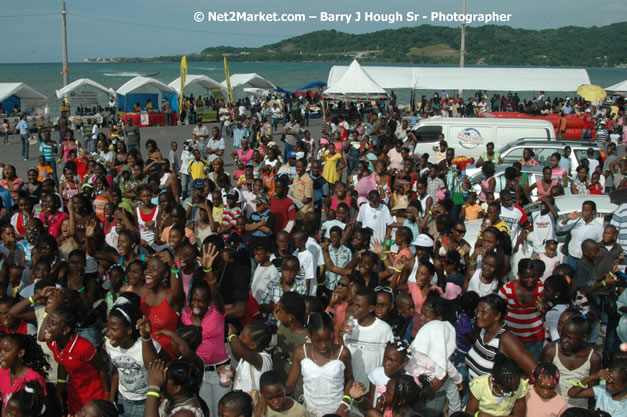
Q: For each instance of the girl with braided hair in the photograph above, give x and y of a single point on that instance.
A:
(401, 393)
(542, 398)
(395, 358)
(21, 361)
(500, 394)
(29, 401)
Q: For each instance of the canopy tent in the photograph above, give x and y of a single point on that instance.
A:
(249, 81)
(355, 84)
(258, 92)
(199, 80)
(83, 92)
(620, 87)
(24, 96)
(312, 84)
(140, 89)
(472, 78)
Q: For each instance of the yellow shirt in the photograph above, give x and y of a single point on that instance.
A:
(196, 168)
(480, 388)
(149, 106)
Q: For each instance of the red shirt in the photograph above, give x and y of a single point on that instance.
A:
(596, 188)
(8, 388)
(81, 166)
(84, 382)
(524, 321)
(283, 210)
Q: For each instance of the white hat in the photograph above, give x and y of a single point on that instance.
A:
(588, 111)
(423, 241)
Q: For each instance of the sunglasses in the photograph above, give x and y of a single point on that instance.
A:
(339, 284)
(386, 289)
(461, 232)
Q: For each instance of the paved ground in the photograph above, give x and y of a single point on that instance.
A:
(163, 135)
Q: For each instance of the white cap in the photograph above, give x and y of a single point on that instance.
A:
(588, 111)
(423, 241)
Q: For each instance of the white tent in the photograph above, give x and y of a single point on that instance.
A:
(29, 98)
(249, 81)
(472, 78)
(139, 89)
(259, 92)
(355, 83)
(620, 87)
(386, 77)
(200, 80)
(84, 84)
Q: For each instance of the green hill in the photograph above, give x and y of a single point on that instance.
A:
(426, 44)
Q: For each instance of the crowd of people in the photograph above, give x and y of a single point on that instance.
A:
(328, 274)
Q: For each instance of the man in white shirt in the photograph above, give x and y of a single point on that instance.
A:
(515, 217)
(94, 139)
(582, 225)
(202, 133)
(215, 145)
(543, 223)
(375, 216)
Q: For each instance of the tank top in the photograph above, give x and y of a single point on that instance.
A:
(69, 192)
(567, 375)
(161, 317)
(480, 358)
(423, 204)
(486, 184)
(541, 191)
(323, 386)
(335, 202)
(475, 284)
(99, 205)
(147, 233)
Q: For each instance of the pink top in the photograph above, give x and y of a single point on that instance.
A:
(486, 184)
(54, 222)
(211, 349)
(537, 406)
(557, 174)
(339, 316)
(541, 191)
(396, 159)
(66, 152)
(334, 202)
(419, 300)
(245, 157)
(9, 388)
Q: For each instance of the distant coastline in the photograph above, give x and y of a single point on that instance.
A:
(485, 45)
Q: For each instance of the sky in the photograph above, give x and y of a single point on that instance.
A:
(31, 29)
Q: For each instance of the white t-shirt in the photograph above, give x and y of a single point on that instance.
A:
(325, 230)
(379, 379)
(242, 373)
(316, 251)
(543, 230)
(367, 346)
(512, 216)
(376, 219)
(133, 375)
(307, 268)
(262, 277)
(479, 287)
(215, 144)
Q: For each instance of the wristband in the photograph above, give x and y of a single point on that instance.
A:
(206, 271)
(61, 381)
(81, 289)
(154, 394)
(577, 384)
(398, 270)
(345, 403)
(211, 282)
(472, 263)
(613, 275)
(231, 337)
(347, 398)
(154, 388)
(359, 400)
(147, 339)
(383, 258)
(387, 251)
(477, 413)
(604, 284)
(32, 300)
(174, 271)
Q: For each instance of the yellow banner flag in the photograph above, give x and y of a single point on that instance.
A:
(228, 81)
(183, 81)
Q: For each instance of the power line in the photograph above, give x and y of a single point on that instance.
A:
(103, 19)
(28, 15)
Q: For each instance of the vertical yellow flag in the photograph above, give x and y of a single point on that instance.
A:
(228, 81)
(183, 81)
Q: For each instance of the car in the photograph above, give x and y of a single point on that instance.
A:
(564, 205)
(543, 149)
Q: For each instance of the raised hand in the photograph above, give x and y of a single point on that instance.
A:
(145, 327)
(209, 255)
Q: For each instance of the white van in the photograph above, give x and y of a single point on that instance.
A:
(468, 136)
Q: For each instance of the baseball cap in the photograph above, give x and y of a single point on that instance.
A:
(291, 155)
(199, 184)
(262, 199)
(233, 194)
(588, 111)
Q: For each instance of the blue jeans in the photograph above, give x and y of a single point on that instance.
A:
(6, 137)
(572, 261)
(288, 148)
(535, 348)
(352, 165)
(131, 408)
(186, 181)
(24, 146)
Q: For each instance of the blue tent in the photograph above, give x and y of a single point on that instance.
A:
(309, 85)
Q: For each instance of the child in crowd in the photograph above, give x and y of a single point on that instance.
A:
(273, 400)
(542, 399)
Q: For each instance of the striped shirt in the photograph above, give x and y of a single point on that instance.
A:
(619, 220)
(480, 358)
(524, 321)
(47, 151)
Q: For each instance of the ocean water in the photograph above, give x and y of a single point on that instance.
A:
(47, 77)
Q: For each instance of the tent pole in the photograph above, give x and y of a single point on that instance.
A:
(462, 48)
(64, 43)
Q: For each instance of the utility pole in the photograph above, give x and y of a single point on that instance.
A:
(64, 43)
(463, 43)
